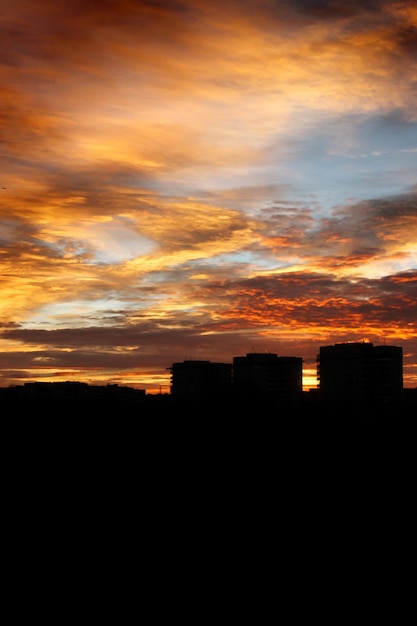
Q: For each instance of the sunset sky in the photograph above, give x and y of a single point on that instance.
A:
(201, 179)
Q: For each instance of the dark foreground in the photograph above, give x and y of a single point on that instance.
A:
(81, 400)
(133, 468)
(128, 415)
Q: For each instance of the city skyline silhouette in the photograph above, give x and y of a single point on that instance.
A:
(352, 376)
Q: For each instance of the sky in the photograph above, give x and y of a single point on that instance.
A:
(204, 179)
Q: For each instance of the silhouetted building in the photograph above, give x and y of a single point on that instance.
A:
(268, 377)
(360, 372)
(200, 379)
(388, 372)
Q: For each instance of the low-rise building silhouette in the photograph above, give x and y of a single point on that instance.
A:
(264, 377)
(269, 377)
(200, 379)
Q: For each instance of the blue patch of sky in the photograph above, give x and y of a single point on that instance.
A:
(116, 242)
(363, 157)
(331, 162)
(248, 258)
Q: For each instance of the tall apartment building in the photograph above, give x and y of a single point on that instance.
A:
(268, 377)
(360, 372)
(200, 379)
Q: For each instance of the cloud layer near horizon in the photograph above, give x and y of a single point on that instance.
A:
(202, 180)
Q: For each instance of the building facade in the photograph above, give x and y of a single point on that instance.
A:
(360, 372)
(268, 377)
(200, 379)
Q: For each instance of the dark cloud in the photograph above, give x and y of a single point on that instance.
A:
(407, 40)
(336, 9)
(307, 298)
(302, 290)
(53, 25)
(367, 229)
(296, 12)
(380, 216)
